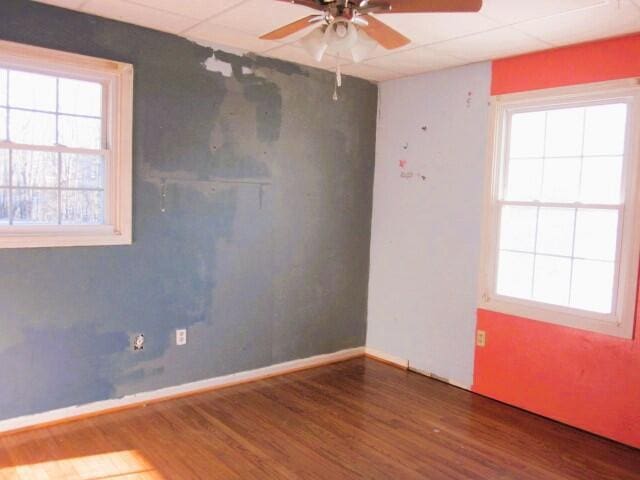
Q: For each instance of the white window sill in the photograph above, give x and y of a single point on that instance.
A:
(557, 315)
(63, 236)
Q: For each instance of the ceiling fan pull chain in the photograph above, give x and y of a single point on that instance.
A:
(338, 82)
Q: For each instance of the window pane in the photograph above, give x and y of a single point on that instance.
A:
(525, 178)
(596, 234)
(4, 205)
(527, 135)
(82, 207)
(79, 97)
(564, 132)
(82, 171)
(518, 228)
(592, 285)
(3, 87)
(561, 179)
(34, 169)
(32, 91)
(32, 128)
(35, 206)
(515, 274)
(605, 128)
(4, 168)
(551, 279)
(3, 124)
(601, 180)
(79, 132)
(555, 231)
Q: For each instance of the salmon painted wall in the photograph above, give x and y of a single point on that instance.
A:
(588, 380)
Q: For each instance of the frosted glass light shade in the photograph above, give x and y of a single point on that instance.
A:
(314, 43)
(363, 47)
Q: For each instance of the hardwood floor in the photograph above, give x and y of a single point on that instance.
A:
(355, 419)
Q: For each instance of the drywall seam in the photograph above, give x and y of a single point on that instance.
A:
(144, 398)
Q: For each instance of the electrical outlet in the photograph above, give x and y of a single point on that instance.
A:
(181, 336)
(138, 342)
(481, 338)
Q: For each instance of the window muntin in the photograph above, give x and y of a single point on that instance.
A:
(561, 237)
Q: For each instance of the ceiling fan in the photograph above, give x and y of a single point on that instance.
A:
(346, 26)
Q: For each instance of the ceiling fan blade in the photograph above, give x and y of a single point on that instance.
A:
(384, 34)
(291, 28)
(423, 6)
(307, 3)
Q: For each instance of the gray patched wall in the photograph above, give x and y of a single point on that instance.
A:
(261, 251)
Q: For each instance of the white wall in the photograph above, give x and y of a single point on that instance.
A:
(425, 239)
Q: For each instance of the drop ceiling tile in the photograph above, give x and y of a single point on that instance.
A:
(499, 43)
(224, 36)
(261, 16)
(199, 9)
(614, 18)
(71, 4)
(417, 60)
(424, 28)
(369, 72)
(511, 11)
(380, 51)
(138, 14)
(292, 53)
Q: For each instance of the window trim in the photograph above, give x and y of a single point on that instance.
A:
(117, 80)
(621, 322)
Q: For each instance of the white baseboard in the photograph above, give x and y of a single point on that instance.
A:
(387, 358)
(140, 399)
(464, 386)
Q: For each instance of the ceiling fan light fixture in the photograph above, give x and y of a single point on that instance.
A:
(360, 21)
(363, 47)
(315, 44)
(341, 36)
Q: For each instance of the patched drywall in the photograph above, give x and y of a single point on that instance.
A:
(425, 240)
(252, 211)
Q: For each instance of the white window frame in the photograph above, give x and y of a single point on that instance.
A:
(620, 322)
(117, 81)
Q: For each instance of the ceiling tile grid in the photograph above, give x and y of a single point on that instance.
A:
(138, 14)
(616, 17)
(502, 28)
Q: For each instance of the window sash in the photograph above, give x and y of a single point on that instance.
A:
(620, 321)
(60, 149)
(610, 317)
(69, 71)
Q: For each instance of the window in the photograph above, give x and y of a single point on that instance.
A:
(65, 149)
(561, 234)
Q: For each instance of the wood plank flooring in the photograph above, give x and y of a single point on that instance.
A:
(357, 419)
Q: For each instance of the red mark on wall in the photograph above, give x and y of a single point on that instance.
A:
(402, 163)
